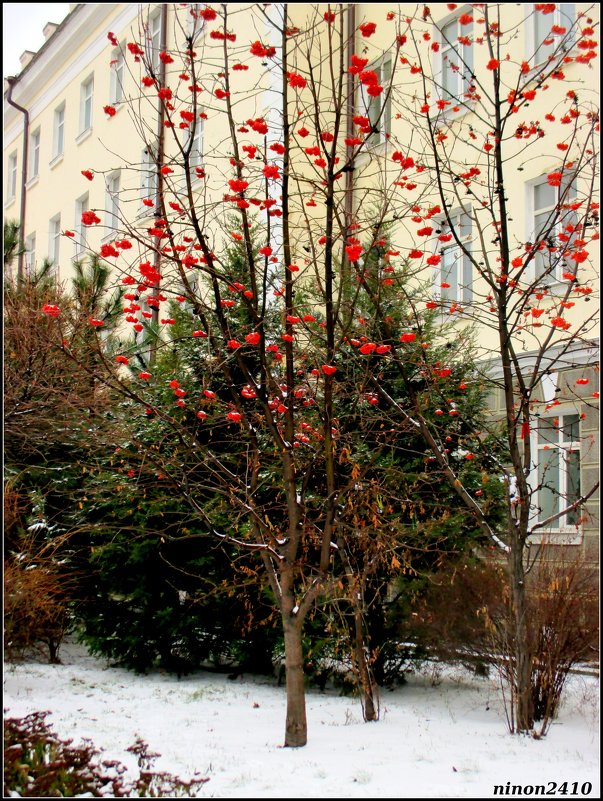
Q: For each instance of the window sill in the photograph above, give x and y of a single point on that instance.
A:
(368, 152)
(56, 161)
(444, 313)
(447, 116)
(544, 65)
(83, 136)
(117, 105)
(557, 537)
(9, 202)
(145, 213)
(555, 285)
(32, 181)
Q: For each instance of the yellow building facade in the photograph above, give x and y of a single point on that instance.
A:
(57, 134)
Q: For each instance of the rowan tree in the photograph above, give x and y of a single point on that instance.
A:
(326, 198)
(476, 117)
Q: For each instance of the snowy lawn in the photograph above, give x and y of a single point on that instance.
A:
(443, 741)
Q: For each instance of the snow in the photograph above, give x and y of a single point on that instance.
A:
(442, 735)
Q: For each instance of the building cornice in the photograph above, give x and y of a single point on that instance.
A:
(566, 356)
(55, 57)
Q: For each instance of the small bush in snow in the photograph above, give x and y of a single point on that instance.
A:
(39, 764)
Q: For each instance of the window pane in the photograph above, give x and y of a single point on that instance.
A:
(11, 188)
(59, 130)
(542, 224)
(149, 176)
(547, 432)
(449, 274)
(113, 203)
(155, 39)
(196, 155)
(467, 54)
(567, 16)
(548, 482)
(449, 32)
(117, 77)
(386, 76)
(34, 163)
(573, 484)
(542, 33)
(450, 73)
(467, 294)
(545, 196)
(571, 428)
(464, 226)
(80, 206)
(54, 239)
(374, 111)
(30, 255)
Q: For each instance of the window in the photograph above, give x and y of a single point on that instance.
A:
(116, 92)
(54, 239)
(377, 108)
(149, 174)
(34, 155)
(456, 59)
(196, 150)
(553, 218)
(112, 203)
(154, 38)
(30, 253)
(81, 241)
(194, 21)
(544, 43)
(11, 177)
(58, 138)
(86, 104)
(558, 469)
(453, 277)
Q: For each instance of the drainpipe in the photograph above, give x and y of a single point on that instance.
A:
(351, 105)
(159, 163)
(11, 82)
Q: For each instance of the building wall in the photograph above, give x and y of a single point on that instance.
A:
(112, 145)
(80, 49)
(526, 167)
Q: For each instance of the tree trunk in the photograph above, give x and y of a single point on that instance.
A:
(296, 727)
(524, 707)
(370, 705)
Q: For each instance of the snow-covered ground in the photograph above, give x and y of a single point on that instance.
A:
(442, 739)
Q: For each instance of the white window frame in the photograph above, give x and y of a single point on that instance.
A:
(568, 192)
(196, 153)
(54, 240)
(11, 177)
(86, 104)
(30, 253)
(112, 187)
(372, 107)
(34, 154)
(461, 292)
(154, 38)
(194, 24)
(538, 26)
(561, 529)
(58, 135)
(118, 67)
(82, 203)
(464, 53)
(149, 179)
